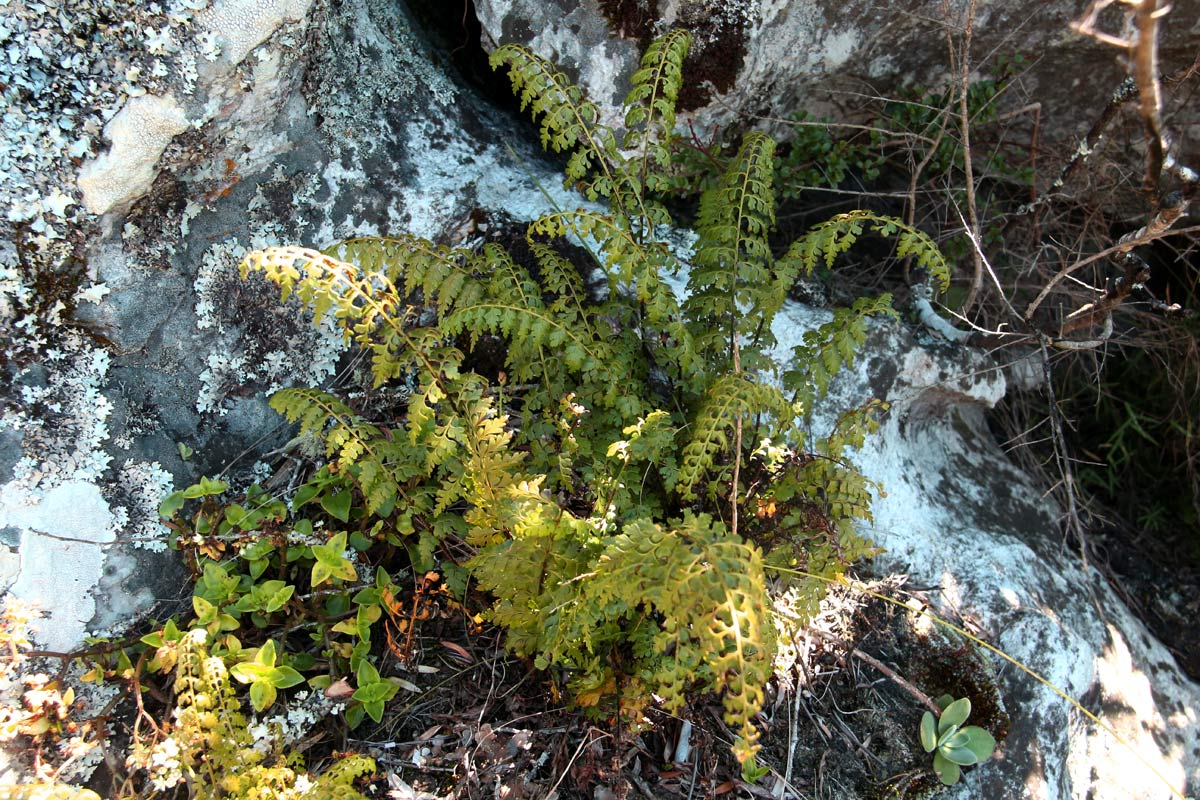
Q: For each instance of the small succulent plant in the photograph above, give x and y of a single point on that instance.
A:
(952, 745)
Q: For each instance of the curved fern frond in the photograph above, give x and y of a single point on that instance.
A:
(732, 268)
(825, 242)
(533, 328)
(650, 110)
(338, 780)
(620, 251)
(377, 462)
(368, 306)
(569, 123)
(710, 588)
(730, 397)
(444, 276)
(631, 266)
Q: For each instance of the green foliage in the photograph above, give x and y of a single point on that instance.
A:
(264, 677)
(954, 746)
(816, 159)
(262, 567)
(825, 242)
(588, 475)
(211, 748)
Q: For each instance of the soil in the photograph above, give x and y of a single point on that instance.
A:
(484, 724)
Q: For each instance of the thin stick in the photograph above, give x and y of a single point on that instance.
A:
(896, 678)
(968, 170)
(1156, 229)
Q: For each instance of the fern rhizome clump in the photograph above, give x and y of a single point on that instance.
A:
(642, 458)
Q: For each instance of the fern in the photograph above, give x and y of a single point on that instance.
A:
(569, 123)
(828, 240)
(213, 748)
(732, 269)
(585, 475)
(829, 348)
(729, 398)
(650, 120)
(709, 587)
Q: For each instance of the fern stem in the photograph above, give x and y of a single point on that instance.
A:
(737, 445)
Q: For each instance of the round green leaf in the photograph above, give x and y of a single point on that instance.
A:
(266, 654)
(285, 677)
(979, 742)
(929, 739)
(375, 693)
(249, 672)
(374, 710)
(947, 771)
(367, 673)
(171, 504)
(262, 695)
(955, 714)
(337, 505)
(278, 595)
(959, 755)
(205, 611)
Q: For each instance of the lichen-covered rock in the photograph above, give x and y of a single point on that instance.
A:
(960, 516)
(756, 61)
(147, 146)
(205, 129)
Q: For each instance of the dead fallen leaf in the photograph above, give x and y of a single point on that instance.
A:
(459, 652)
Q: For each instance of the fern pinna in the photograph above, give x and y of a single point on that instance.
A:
(590, 473)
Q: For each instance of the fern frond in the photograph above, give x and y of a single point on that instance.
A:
(732, 268)
(569, 123)
(730, 397)
(825, 242)
(853, 427)
(378, 463)
(710, 588)
(441, 274)
(829, 348)
(650, 109)
(368, 306)
(341, 775)
(631, 266)
(526, 576)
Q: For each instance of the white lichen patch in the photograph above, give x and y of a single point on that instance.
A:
(66, 69)
(380, 65)
(63, 532)
(141, 487)
(139, 133)
(64, 419)
(276, 345)
(232, 28)
(449, 171)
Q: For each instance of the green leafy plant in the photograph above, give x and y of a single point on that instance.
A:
(613, 480)
(210, 747)
(373, 691)
(264, 566)
(264, 677)
(954, 746)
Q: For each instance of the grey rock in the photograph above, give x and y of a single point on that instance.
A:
(755, 61)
